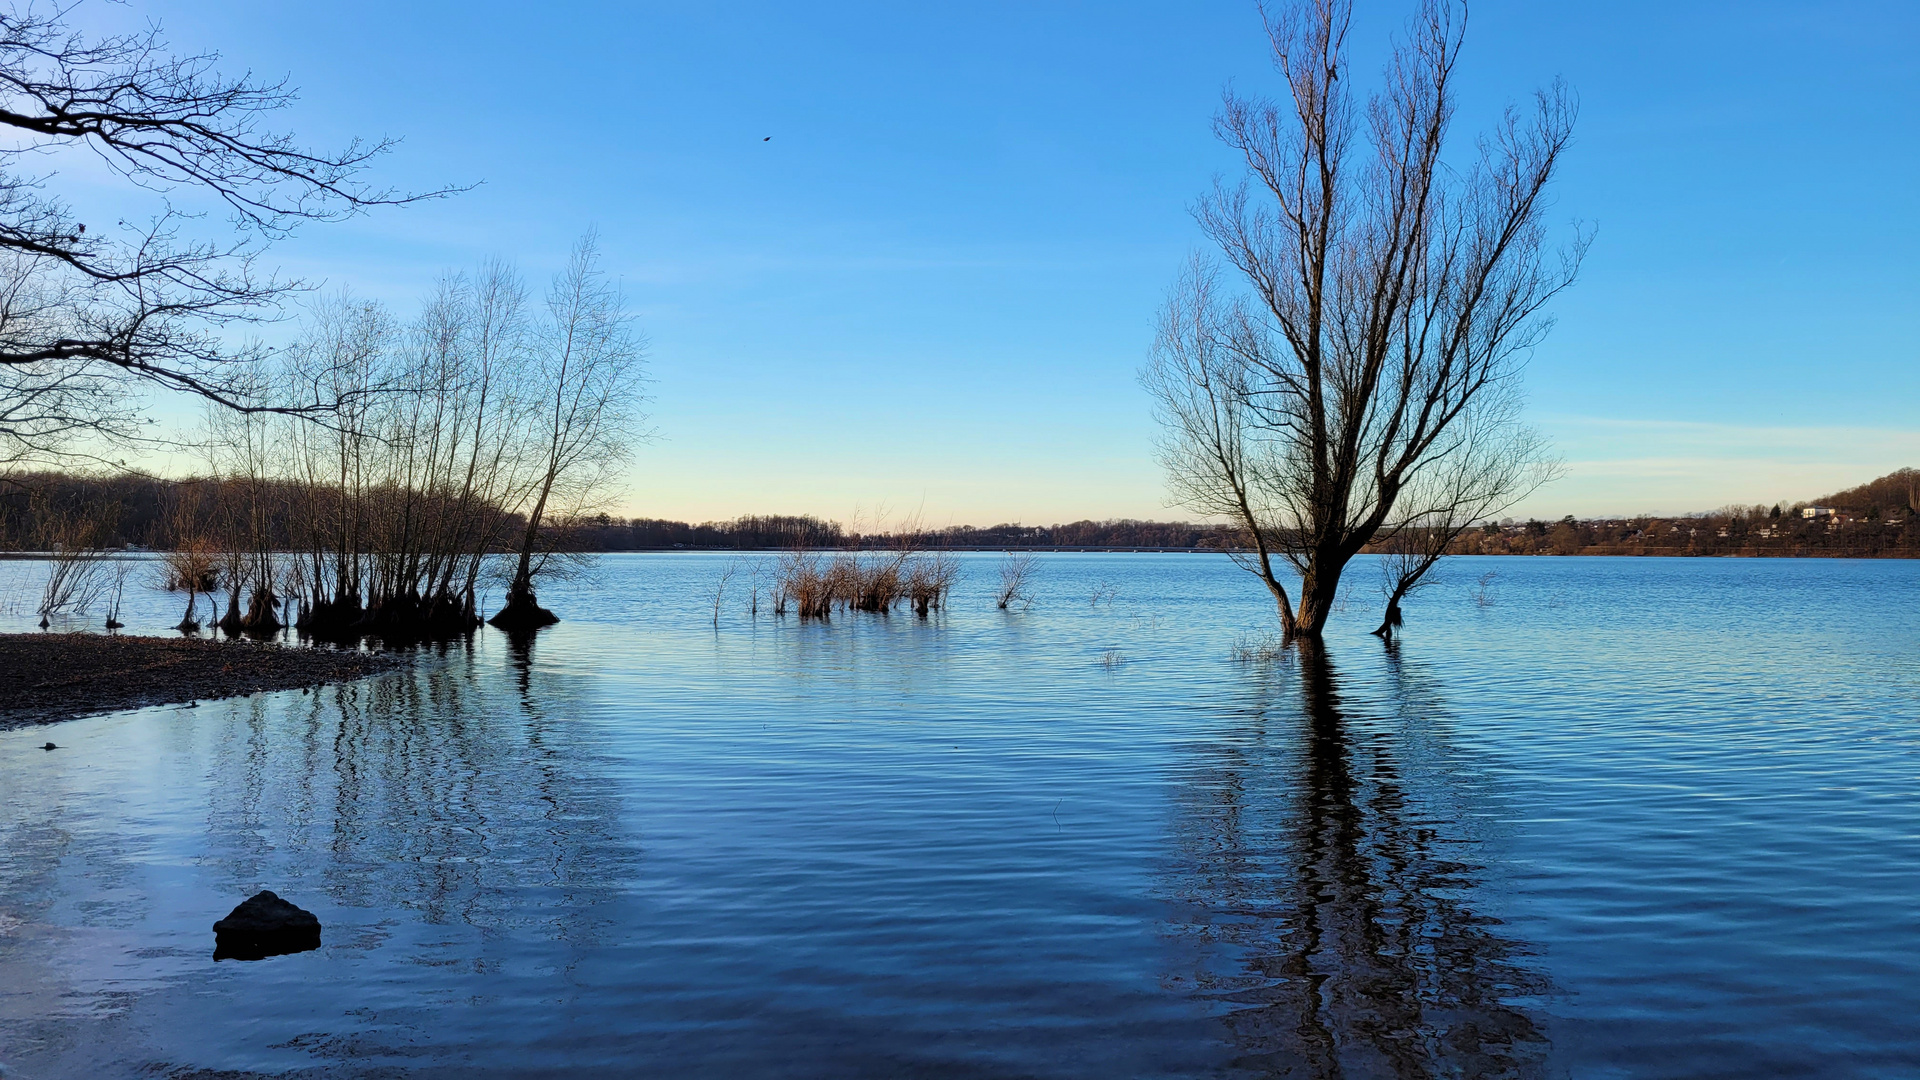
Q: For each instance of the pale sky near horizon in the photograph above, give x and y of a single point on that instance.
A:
(931, 289)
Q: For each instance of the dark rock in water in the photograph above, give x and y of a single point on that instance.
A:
(265, 913)
(264, 925)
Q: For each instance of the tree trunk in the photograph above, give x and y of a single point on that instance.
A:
(1289, 622)
(260, 617)
(1319, 588)
(522, 611)
(1391, 621)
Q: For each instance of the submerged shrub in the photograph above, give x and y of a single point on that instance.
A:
(1016, 573)
(1258, 648)
(815, 585)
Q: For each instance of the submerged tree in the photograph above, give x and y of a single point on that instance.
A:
(1386, 307)
(193, 568)
(586, 377)
(73, 538)
(1016, 578)
(243, 446)
(1500, 461)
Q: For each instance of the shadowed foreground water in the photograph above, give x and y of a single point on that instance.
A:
(1629, 818)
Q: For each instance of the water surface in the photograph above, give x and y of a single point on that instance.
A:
(1630, 817)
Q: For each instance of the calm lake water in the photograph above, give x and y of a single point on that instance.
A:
(1629, 817)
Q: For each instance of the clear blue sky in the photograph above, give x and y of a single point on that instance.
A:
(933, 287)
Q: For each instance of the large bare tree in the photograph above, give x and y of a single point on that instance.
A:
(1375, 298)
(91, 312)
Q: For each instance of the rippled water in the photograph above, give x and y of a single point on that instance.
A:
(1631, 817)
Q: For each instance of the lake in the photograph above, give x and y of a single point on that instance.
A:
(1588, 818)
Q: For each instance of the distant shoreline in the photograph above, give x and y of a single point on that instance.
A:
(1663, 553)
(1120, 549)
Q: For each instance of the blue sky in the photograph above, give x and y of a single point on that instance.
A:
(932, 288)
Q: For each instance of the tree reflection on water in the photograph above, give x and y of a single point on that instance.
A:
(1328, 901)
(447, 790)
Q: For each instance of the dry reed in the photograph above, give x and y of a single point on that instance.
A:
(816, 585)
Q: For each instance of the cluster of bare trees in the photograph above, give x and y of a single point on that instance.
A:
(1350, 375)
(481, 426)
(402, 452)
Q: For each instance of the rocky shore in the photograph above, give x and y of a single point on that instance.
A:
(50, 677)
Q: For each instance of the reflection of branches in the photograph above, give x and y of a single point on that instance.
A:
(441, 790)
(1329, 919)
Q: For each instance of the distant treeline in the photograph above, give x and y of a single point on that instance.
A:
(1873, 520)
(146, 512)
(1705, 534)
(780, 532)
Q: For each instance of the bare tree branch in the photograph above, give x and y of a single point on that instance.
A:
(89, 315)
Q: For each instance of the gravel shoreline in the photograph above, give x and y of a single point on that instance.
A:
(46, 678)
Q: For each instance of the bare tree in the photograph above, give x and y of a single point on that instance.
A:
(192, 566)
(586, 378)
(89, 315)
(1016, 578)
(243, 448)
(116, 592)
(720, 588)
(1499, 463)
(1385, 296)
(73, 536)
